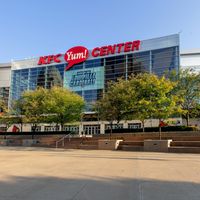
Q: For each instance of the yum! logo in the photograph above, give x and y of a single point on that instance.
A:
(76, 55)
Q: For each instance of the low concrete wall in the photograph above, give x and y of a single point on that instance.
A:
(3, 142)
(157, 145)
(108, 144)
(29, 142)
(181, 136)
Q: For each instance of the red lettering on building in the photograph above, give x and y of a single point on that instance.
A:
(127, 46)
(120, 47)
(50, 58)
(44, 60)
(79, 54)
(111, 49)
(56, 58)
(136, 45)
(95, 52)
(103, 51)
(116, 48)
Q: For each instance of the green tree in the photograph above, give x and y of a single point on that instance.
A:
(153, 97)
(140, 97)
(63, 106)
(3, 106)
(188, 88)
(3, 113)
(6, 117)
(32, 105)
(17, 111)
(56, 105)
(114, 104)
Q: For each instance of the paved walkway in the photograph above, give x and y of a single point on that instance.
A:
(45, 174)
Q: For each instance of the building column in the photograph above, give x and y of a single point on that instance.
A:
(102, 128)
(125, 124)
(126, 76)
(150, 62)
(80, 128)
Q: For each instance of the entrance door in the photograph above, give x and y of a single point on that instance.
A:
(91, 129)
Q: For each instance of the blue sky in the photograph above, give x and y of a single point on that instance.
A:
(31, 28)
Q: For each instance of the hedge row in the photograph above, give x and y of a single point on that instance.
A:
(154, 129)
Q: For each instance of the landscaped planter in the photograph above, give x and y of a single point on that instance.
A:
(157, 145)
(3, 142)
(29, 142)
(108, 144)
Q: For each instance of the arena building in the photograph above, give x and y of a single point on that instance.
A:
(5, 74)
(87, 72)
(190, 59)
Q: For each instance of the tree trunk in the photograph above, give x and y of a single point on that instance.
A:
(62, 126)
(34, 127)
(7, 127)
(21, 126)
(187, 119)
(111, 130)
(160, 137)
(143, 126)
(34, 130)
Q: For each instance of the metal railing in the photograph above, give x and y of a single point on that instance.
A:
(63, 140)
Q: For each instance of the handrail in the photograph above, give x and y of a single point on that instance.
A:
(63, 140)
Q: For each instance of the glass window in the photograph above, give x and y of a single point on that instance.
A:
(92, 95)
(138, 62)
(54, 76)
(164, 60)
(114, 126)
(51, 128)
(77, 66)
(91, 129)
(115, 67)
(94, 63)
(134, 125)
(72, 128)
(30, 79)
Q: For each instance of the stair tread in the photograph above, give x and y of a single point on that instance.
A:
(179, 147)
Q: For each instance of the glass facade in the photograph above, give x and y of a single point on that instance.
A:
(31, 78)
(138, 62)
(4, 93)
(164, 60)
(89, 79)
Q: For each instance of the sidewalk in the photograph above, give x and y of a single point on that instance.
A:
(47, 174)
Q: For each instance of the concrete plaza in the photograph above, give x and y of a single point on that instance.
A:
(49, 174)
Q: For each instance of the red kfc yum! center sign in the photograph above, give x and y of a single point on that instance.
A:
(79, 54)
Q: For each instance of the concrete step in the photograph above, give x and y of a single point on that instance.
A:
(90, 142)
(184, 149)
(131, 148)
(85, 146)
(43, 145)
(132, 143)
(69, 146)
(185, 143)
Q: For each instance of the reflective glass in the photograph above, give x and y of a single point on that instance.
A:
(165, 60)
(30, 79)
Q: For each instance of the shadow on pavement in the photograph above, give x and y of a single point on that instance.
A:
(95, 188)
